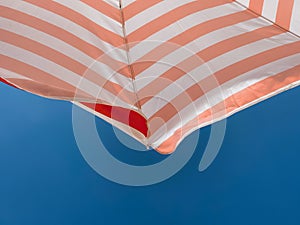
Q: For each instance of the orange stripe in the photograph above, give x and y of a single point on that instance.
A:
(47, 91)
(42, 50)
(188, 36)
(206, 55)
(65, 62)
(256, 61)
(52, 30)
(104, 8)
(5, 81)
(35, 74)
(222, 76)
(63, 35)
(171, 17)
(138, 7)
(284, 13)
(81, 20)
(244, 97)
(256, 6)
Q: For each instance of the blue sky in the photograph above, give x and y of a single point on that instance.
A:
(44, 179)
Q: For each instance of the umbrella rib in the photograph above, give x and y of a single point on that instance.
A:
(131, 70)
(274, 23)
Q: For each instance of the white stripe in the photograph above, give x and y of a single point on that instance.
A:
(7, 74)
(228, 89)
(114, 3)
(173, 30)
(295, 21)
(218, 63)
(153, 13)
(61, 22)
(126, 3)
(219, 117)
(100, 68)
(270, 9)
(59, 72)
(247, 79)
(195, 46)
(93, 15)
(245, 3)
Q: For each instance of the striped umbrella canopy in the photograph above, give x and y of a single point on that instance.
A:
(156, 69)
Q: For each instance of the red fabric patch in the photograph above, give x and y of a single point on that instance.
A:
(126, 116)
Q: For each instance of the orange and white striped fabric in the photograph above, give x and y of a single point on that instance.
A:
(156, 69)
(285, 13)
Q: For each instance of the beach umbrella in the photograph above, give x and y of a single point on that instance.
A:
(156, 69)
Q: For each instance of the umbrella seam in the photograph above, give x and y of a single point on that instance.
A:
(274, 23)
(131, 70)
